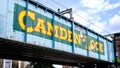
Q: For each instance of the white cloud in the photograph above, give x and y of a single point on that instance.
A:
(93, 6)
(95, 18)
(92, 3)
(89, 14)
(98, 27)
(97, 6)
(119, 12)
(81, 17)
(51, 4)
(83, 14)
(114, 25)
(115, 19)
(111, 6)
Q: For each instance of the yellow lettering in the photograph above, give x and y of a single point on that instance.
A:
(77, 38)
(86, 42)
(50, 29)
(101, 47)
(40, 26)
(91, 47)
(56, 31)
(63, 33)
(69, 36)
(95, 46)
(21, 20)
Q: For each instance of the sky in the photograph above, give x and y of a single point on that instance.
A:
(102, 16)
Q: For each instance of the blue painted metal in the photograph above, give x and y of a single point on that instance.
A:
(53, 41)
(25, 35)
(37, 6)
(87, 42)
(113, 51)
(73, 45)
(107, 50)
(40, 9)
(51, 10)
(98, 47)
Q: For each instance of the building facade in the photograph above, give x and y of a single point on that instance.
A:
(116, 38)
(117, 44)
(5, 63)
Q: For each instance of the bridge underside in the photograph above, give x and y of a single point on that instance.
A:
(10, 49)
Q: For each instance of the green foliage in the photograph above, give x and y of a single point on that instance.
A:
(118, 60)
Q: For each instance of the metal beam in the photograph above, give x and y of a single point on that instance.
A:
(65, 12)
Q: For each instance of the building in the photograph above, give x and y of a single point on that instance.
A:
(116, 38)
(117, 44)
(5, 63)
